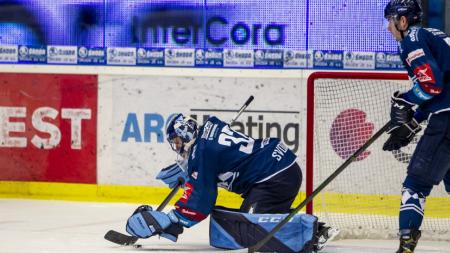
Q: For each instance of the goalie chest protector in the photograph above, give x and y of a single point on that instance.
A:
(230, 229)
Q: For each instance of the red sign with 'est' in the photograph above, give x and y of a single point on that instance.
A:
(48, 127)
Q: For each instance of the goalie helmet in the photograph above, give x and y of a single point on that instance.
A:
(186, 129)
(411, 9)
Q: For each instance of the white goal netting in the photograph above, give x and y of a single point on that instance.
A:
(364, 200)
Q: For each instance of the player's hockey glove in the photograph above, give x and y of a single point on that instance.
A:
(401, 111)
(402, 135)
(172, 175)
(145, 223)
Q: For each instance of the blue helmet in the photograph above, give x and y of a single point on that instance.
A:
(411, 9)
(183, 127)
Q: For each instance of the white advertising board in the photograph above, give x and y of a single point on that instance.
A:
(133, 113)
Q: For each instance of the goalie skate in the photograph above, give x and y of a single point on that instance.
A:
(324, 235)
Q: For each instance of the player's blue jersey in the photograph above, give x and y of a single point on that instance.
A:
(425, 52)
(229, 159)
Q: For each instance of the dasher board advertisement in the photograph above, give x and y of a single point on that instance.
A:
(48, 127)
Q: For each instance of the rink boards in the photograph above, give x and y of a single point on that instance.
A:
(101, 137)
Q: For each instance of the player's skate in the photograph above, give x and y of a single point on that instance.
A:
(408, 240)
(324, 235)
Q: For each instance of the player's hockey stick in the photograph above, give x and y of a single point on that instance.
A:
(341, 168)
(249, 100)
(123, 239)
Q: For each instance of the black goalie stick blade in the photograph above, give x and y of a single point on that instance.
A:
(119, 238)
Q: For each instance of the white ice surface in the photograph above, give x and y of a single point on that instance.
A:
(38, 226)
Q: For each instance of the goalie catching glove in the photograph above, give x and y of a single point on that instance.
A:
(145, 222)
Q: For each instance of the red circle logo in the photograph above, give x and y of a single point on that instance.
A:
(349, 132)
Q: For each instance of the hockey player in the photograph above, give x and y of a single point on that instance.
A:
(425, 53)
(263, 171)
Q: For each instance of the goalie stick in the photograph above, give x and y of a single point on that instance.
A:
(249, 100)
(125, 240)
(341, 168)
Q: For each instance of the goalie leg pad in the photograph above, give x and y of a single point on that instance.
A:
(431, 159)
(230, 229)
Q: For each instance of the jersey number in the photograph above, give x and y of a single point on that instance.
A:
(227, 136)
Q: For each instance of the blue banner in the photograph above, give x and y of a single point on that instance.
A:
(198, 33)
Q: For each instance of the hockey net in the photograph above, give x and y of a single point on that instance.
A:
(344, 110)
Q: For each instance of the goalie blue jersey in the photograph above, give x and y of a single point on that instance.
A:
(425, 53)
(229, 159)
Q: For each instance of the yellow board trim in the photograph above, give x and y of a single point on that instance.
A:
(100, 193)
(388, 205)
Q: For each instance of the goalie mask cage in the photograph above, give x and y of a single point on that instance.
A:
(344, 110)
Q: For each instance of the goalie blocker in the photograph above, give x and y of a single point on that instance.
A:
(230, 229)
